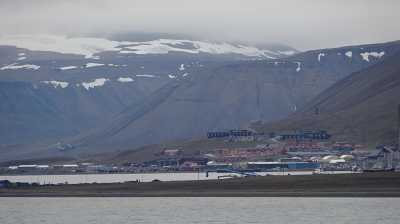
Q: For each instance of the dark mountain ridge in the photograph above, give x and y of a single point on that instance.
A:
(360, 108)
(231, 96)
(177, 103)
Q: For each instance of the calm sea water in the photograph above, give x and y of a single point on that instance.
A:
(200, 210)
(114, 178)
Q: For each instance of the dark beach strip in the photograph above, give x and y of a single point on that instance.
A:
(385, 184)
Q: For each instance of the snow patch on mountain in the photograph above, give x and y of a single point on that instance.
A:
(147, 76)
(114, 65)
(91, 65)
(68, 67)
(15, 66)
(320, 55)
(165, 46)
(95, 83)
(57, 84)
(298, 66)
(61, 44)
(125, 79)
(349, 54)
(182, 67)
(172, 76)
(366, 55)
(21, 58)
(288, 53)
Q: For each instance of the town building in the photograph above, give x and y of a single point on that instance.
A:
(306, 135)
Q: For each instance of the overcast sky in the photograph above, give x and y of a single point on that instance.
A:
(303, 24)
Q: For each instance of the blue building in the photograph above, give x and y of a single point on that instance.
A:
(4, 183)
(268, 166)
(307, 135)
(230, 133)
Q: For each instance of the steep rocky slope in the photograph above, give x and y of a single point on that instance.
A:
(115, 101)
(232, 96)
(360, 108)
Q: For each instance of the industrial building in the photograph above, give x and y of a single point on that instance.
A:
(307, 135)
(230, 133)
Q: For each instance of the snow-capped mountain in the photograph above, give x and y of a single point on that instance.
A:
(56, 86)
(232, 96)
(92, 47)
(48, 59)
(118, 94)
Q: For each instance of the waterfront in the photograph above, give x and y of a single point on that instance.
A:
(386, 184)
(142, 177)
(200, 210)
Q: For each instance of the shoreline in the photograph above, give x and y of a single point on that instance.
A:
(144, 173)
(338, 185)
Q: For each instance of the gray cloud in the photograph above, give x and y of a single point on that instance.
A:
(305, 24)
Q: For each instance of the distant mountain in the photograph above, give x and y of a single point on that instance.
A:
(116, 95)
(52, 87)
(359, 108)
(231, 96)
(93, 48)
